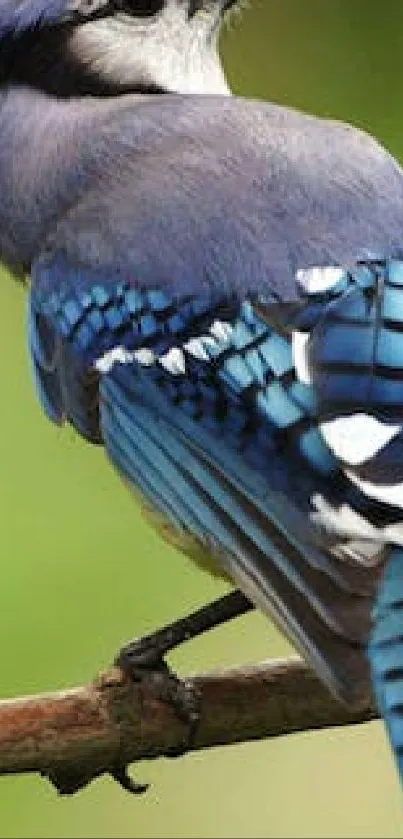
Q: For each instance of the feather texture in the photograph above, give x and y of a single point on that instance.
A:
(19, 15)
(386, 652)
(189, 310)
(201, 409)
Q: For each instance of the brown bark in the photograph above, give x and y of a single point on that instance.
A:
(75, 735)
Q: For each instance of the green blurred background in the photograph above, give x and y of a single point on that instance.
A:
(82, 573)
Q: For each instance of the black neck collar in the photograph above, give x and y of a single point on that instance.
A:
(40, 59)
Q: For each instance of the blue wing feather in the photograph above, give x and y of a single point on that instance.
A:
(247, 543)
(43, 352)
(356, 350)
(229, 448)
(67, 389)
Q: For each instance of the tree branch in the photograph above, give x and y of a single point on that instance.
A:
(76, 735)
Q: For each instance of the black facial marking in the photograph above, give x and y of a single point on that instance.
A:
(41, 59)
(94, 10)
(194, 7)
(140, 8)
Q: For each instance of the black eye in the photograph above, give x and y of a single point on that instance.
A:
(140, 8)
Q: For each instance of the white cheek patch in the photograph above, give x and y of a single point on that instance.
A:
(300, 342)
(317, 280)
(357, 438)
(167, 51)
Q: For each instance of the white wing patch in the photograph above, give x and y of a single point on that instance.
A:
(357, 438)
(360, 540)
(390, 493)
(196, 348)
(364, 539)
(343, 520)
(221, 330)
(174, 361)
(117, 355)
(316, 280)
(300, 356)
(144, 356)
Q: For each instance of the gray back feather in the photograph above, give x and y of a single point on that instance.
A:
(192, 191)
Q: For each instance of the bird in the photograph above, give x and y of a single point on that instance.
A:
(215, 298)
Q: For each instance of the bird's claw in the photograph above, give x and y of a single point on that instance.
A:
(142, 660)
(122, 777)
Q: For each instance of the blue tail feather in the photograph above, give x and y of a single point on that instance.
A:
(385, 651)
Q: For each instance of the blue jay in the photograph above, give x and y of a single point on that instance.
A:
(216, 297)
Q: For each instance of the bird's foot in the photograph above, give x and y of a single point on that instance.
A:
(143, 660)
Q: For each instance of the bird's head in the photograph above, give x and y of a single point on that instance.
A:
(105, 47)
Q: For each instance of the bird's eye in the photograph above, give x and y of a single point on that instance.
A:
(140, 8)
